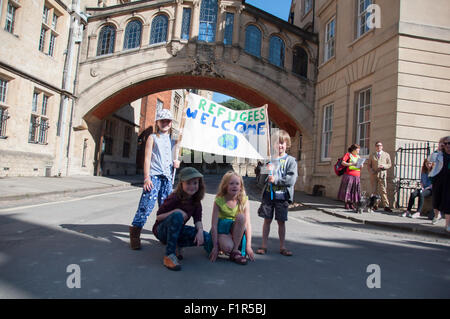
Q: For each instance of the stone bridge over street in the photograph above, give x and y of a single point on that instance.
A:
(139, 48)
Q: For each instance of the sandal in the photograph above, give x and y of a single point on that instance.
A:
(261, 251)
(236, 257)
(285, 252)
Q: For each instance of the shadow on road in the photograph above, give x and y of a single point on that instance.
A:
(34, 261)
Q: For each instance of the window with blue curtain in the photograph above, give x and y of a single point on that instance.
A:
(228, 36)
(253, 40)
(208, 21)
(133, 35)
(106, 40)
(159, 29)
(276, 51)
(186, 24)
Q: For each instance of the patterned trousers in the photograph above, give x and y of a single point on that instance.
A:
(162, 187)
(172, 232)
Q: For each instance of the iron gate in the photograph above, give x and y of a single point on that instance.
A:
(408, 167)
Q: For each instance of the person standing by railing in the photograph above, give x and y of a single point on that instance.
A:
(440, 176)
(378, 164)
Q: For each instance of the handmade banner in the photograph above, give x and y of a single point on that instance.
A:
(213, 128)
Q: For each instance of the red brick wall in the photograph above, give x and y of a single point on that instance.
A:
(147, 120)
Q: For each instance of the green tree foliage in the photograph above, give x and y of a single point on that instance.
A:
(236, 105)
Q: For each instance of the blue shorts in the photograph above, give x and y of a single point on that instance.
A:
(224, 226)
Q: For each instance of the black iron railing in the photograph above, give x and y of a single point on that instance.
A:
(408, 167)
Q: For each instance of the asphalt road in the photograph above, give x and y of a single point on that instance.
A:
(46, 244)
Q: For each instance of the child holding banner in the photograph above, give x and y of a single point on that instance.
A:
(170, 226)
(278, 191)
(158, 167)
(231, 220)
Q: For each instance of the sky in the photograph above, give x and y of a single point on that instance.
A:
(279, 8)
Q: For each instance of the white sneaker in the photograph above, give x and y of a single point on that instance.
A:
(415, 215)
(435, 220)
(406, 214)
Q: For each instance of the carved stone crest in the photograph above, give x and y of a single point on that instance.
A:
(204, 68)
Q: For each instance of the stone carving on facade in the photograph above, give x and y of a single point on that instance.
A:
(205, 68)
(94, 72)
(174, 47)
(235, 53)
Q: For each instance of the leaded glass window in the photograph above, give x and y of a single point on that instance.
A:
(106, 40)
(253, 40)
(186, 24)
(228, 36)
(276, 51)
(42, 39)
(363, 120)
(208, 21)
(10, 18)
(159, 29)
(133, 35)
(300, 62)
(51, 46)
(363, 16)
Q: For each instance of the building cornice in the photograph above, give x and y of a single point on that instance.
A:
(36, 80)
(313, 37)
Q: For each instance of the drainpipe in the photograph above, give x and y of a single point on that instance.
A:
(76, 8)
(316, 116)
(72, 112)
(67, 73)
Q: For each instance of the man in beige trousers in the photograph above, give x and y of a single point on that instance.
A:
(377, 164)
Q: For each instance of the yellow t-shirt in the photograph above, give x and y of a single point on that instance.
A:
(226, 212)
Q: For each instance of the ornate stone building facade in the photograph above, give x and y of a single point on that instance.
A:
(38, 61)
(383, 74)
(330, 78)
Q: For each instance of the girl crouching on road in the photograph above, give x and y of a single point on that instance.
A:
(231, 220)
(170, 226)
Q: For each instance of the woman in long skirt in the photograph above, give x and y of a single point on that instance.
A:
(350, 189)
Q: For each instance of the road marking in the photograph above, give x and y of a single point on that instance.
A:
(4, 210)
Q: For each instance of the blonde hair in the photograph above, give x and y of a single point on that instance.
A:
(281, 136)
(222, 190)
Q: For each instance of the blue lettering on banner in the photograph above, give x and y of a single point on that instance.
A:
(226, 125)
(214, 122)
(203, 118)
(223, 125)
(260, 130)
(251, 127)
(243, 127)
(191, 114)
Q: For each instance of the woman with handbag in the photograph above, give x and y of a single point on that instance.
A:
(350, 188)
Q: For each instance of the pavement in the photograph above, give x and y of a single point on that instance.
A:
(15, 189)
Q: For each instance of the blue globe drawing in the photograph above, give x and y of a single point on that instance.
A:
(228, 141)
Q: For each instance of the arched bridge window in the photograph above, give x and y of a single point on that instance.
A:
(276, 51)
(300, 62)
(208, 21)
(106, 40)
(253, 40)
(159, 29)
(133, 35)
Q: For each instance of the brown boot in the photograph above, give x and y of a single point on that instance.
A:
(135, 237)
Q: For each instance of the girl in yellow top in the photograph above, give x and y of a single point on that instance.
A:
(231, 219)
